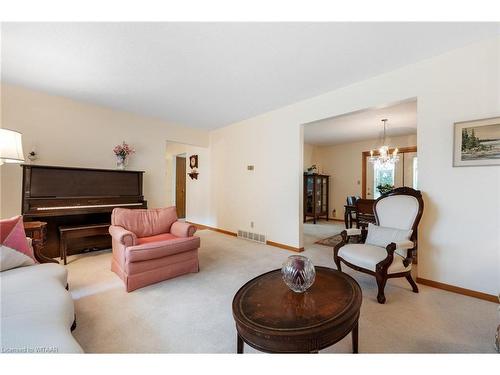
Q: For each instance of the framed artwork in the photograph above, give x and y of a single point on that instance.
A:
(193, 161)
(477, 143)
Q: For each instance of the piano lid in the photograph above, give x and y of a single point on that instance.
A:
(66, 182)
(80, 168)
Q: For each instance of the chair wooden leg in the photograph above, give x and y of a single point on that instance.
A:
(73, 326)
(412, 283)
(381, 281)
(337, 263)
(239, 344)
(355, 338)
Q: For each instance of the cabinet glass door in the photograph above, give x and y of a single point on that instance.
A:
(324, 191)
(318, 194)
(309, 195)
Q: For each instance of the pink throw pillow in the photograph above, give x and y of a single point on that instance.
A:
(12, 235)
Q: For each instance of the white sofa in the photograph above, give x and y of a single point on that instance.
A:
(37, 311)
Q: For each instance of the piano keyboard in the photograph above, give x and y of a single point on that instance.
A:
(87, 206)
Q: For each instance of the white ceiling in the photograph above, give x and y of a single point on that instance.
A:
(364, 125)
(208, 75)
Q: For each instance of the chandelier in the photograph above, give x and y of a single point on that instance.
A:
(384, 158)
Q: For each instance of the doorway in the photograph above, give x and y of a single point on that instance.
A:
(337, 147)
(180, 186)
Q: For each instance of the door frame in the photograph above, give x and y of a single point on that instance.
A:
(366, 154)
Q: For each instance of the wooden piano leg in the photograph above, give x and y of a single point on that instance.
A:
(62, 249)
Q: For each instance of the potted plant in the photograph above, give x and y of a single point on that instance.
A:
(312, 169)
(384, 188)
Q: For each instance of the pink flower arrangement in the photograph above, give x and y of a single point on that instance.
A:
(123, 150)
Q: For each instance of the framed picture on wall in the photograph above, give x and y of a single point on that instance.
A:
(477, 143)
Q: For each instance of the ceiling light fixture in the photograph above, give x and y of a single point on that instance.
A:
(385, 158)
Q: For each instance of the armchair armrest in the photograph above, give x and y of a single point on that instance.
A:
(405, 250)
(125, 237)
(360, 233)
(336, 248)
(384, 264)
(353, 231)
(401, 249)
(182, 229)
(404, 245)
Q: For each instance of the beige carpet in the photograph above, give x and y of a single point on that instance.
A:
(192, 313)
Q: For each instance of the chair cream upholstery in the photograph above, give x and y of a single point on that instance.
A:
(398, 211)
(388, 248)
(368, 256)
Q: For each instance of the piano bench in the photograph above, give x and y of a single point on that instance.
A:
(68, 232)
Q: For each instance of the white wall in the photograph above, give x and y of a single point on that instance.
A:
(459, 240)
(198, 205)
(71, 133)
(268, 195)
(308, 155)
(343, 163)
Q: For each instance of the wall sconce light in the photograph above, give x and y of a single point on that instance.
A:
(32, 155)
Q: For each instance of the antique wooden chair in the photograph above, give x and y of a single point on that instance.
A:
(364, 216)
(387, 248)
(350, 211)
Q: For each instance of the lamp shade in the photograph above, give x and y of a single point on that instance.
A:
(11, 147)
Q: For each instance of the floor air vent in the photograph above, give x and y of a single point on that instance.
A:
(252, 236)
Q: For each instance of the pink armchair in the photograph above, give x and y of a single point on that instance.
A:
(151, 246)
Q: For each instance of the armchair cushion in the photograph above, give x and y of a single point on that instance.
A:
(157, 238)
(11, 258)
(148, 251)
(147, 222)
(383, 236)
(16, 251)
(123, 236)
(180, 229)
(368, 256)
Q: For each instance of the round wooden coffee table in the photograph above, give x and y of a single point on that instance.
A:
(272, 318)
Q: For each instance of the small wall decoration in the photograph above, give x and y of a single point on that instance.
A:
(193, 161)
(122, 153)
(477, 143)
(193, 164)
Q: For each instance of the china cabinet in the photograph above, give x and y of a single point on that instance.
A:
(316, 188)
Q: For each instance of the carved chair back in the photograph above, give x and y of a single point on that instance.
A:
(351, 200)
(400, 208)
(364, 212)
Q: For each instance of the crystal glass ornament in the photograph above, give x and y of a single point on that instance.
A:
(298, 273)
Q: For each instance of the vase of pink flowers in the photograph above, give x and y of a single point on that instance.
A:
(122, 153)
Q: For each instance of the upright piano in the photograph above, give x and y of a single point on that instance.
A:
(64, 196)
